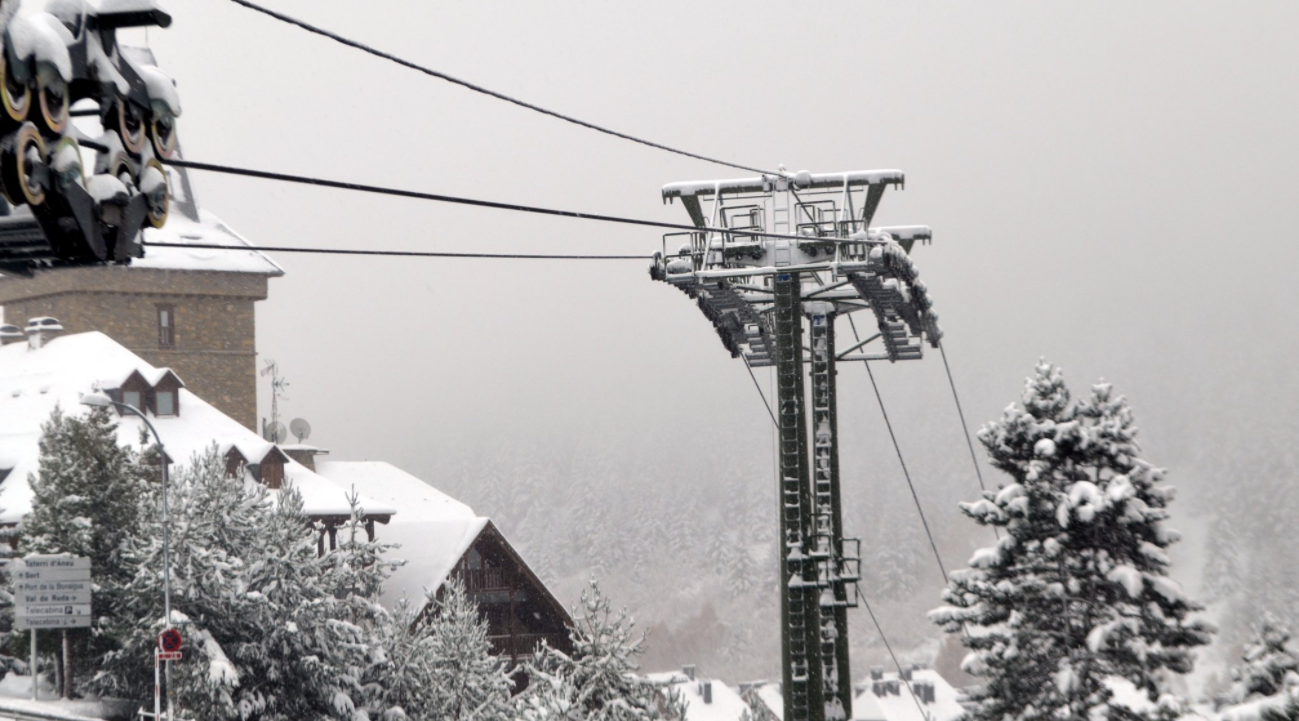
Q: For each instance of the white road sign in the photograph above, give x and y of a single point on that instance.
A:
(39, 598)
(22, 623)
(51, 591)
(54, 609)
(53, 563)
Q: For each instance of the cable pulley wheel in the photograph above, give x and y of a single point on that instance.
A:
(53, 96)
(15, 96)
(65, 162)
(20, 165)
(121, 166)
(157, 192)
(162, 130)
(130, 126)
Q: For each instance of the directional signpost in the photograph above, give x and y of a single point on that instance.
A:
(50, 592)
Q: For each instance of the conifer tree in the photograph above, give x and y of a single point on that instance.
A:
(1269, 667)
(598, 682)
(85, 501)
(467, 681)
(1076, 592)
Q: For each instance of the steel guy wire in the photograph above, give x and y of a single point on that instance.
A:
(974, 458)
(458, 200)
(397, 253)
(898, 449)
(486, 91)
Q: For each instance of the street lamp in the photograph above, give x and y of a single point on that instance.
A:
(98, 399)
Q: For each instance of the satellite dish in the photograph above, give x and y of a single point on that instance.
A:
(300, 428)
(278, 433)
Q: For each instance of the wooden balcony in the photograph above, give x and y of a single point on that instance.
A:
(485, 579)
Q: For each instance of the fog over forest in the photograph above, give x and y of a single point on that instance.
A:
(1111, 187)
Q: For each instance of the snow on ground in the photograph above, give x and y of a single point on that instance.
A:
(33, 382)
(16, 696)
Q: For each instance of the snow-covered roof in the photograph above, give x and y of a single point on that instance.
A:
(726, 704)
(33, 382)
(900, 706)
(433, 530)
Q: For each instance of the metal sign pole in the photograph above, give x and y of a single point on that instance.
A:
(157, 690)
(35, 685)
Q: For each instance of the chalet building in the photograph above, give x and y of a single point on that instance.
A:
(440, 539)
(455, 543)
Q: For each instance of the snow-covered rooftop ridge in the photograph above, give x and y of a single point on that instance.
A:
(34, 382)
(889, 698)
(705, 699)
(433, 530)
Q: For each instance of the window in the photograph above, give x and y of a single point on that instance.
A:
(132, 398)
(273, 476)
(165, 403)
(166, 326)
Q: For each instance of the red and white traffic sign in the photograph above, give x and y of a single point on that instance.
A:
(169, 655)
(170, 641)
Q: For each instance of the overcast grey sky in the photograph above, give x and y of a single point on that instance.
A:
(1111, 185)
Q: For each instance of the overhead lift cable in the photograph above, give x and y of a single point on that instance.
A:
(457, 200)
(485, 91)
(398, 253)
(974, 458)
(906, 473)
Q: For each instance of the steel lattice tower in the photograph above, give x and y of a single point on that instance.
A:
(773, 251)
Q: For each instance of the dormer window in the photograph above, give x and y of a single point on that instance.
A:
(131, 398)
(164, 398)
(165, 401)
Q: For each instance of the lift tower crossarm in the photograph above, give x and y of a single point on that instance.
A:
(799, 181)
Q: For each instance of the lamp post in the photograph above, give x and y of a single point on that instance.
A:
(99, 399)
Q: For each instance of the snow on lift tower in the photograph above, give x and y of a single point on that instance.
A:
(51, 61)
(768, 252)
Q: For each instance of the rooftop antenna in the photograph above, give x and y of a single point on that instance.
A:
(300, 428)
(278, 385)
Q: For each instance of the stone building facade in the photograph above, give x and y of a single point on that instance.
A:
(199, 323)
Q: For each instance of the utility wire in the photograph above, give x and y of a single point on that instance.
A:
(399, 253)
(974, 458)
(762, 395)
(889, 648)
(485, 91)
(907, 474)
(964, 428)
(457, 200)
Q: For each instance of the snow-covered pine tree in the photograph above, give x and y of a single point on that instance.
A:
(85, 503)
(1076, 592)
(463, 679)
(598, 682)
(214, 523)
(276, 632)
(1269, 667)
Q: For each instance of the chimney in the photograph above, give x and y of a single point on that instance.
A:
(306, 455)
(10, 334)
(41, 331)
(689, 671)
(906, 674)
(877, 673)
(706, 690)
